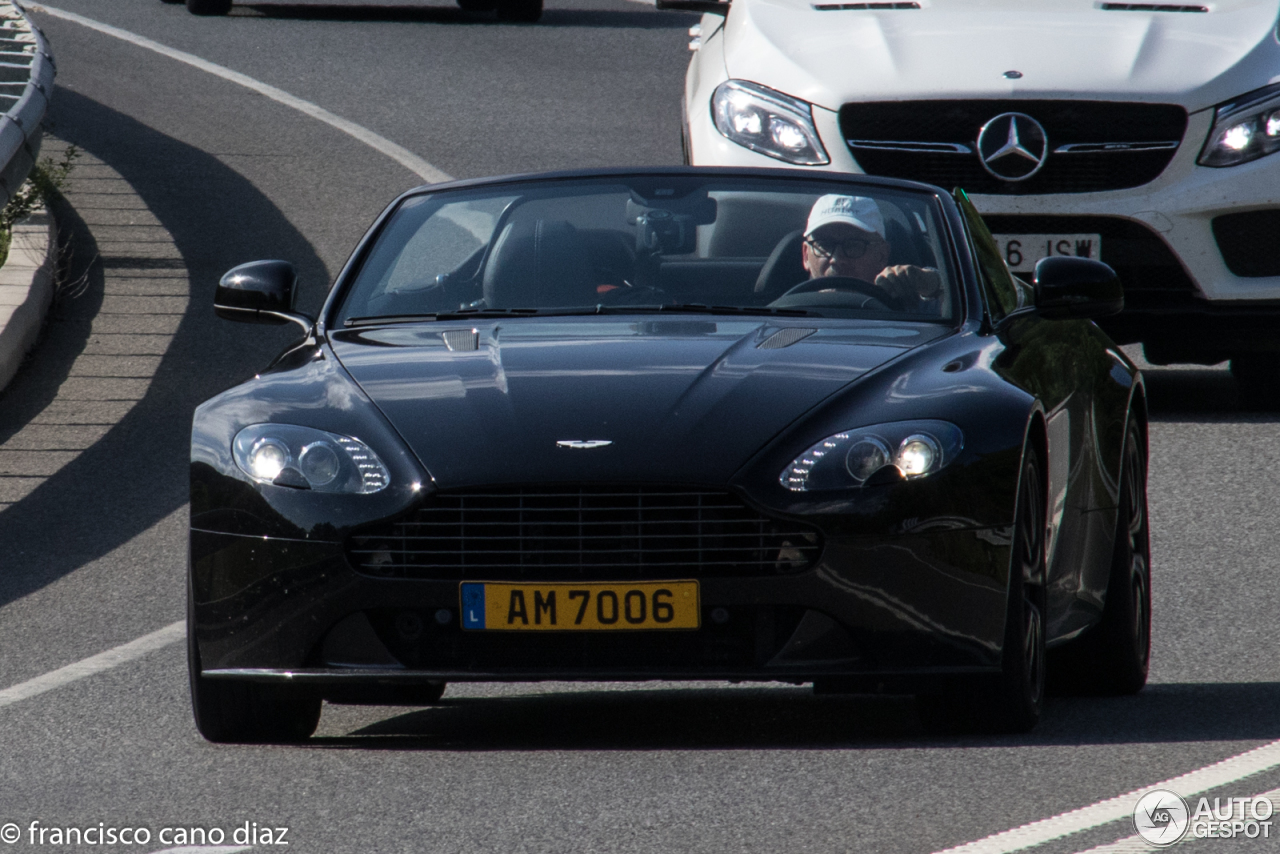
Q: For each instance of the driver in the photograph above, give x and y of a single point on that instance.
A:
(845, 237)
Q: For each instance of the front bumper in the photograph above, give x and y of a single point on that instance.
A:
(897, 611)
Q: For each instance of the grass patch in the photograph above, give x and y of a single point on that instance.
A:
(47, 178)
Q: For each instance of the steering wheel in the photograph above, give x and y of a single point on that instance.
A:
(847, 284)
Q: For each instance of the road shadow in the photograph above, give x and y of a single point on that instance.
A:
(138, 472)
(795, 719)
(627, 19)
(66, 332)
(1200, 395)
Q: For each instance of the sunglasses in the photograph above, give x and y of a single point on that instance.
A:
(851, 249)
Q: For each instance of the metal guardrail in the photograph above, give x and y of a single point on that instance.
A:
(26, 85)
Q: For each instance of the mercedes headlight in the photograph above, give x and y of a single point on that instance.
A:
(305, 458)
(1245, 129)
(882, 453)
(769, 122)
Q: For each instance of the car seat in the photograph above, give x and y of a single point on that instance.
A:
(783, 270)
(541, 263)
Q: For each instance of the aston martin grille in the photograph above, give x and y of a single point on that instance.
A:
(1092, 145)
(588, 532)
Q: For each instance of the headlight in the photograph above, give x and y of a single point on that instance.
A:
(769, 122)
(1245, 129)
(848, 460)
(304, 458)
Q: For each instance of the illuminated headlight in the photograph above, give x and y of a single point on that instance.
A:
(304, 458)
(1245, 129)
(769, 122)
(882, 453)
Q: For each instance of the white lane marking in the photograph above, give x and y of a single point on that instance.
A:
(1128, 845)
(204, 849)
(1104, 812)
(1137, 845)
(401, 155)
(94, 664)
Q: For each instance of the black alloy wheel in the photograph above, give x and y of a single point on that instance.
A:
(1112, 658)
(1257, 377)
(519, 11)
(1016, 703)
(238, 712)
(208, 7)
(1016, 700)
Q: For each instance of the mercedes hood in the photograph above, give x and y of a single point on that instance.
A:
(674, 401)
(829, 52)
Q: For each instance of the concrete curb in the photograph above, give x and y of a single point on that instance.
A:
(26, 289)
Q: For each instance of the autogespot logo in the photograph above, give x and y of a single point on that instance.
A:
(1161, 817)
(1013, 146)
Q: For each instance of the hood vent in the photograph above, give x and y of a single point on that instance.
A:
(784, 338)
(462, 340)
(863, 7)
(1151, 7)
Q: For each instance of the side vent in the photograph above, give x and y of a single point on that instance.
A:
(462, 340)
(1151, 7)
(784, 338)
(863, 7)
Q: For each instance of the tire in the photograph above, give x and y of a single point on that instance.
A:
(171, 2)
(519, 11)
(208, 7)
(1258, 380)
(421, 694)
(1014, 703)
(238, 712)
(1112, 658)
(477, 5)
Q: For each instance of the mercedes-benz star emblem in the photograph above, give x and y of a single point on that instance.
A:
(1013, 146)
(583, 444)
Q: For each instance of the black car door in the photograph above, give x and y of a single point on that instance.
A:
(1057, 361)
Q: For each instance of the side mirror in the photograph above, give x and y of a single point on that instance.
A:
(260, 292)
(1081, 288)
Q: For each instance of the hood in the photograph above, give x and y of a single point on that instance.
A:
(962, 48)
(681, 401)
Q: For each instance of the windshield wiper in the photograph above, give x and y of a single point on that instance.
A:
(456, 314)
(700, 308)
(481, 313)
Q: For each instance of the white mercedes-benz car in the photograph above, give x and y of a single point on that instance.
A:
(1137, 133)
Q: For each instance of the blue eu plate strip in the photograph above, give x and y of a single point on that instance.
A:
(473, 606)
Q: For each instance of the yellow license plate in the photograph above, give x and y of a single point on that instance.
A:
(565, 606)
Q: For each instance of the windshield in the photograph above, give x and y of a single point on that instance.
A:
(675, 243)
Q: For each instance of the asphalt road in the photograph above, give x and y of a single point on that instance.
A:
(184, 175)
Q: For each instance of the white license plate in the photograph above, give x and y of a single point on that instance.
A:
(1022, 251)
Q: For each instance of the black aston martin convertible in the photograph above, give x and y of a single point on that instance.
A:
(672, 424)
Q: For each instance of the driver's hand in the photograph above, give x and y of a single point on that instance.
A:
(909, 282)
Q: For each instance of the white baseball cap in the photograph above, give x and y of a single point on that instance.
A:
(859, 211)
